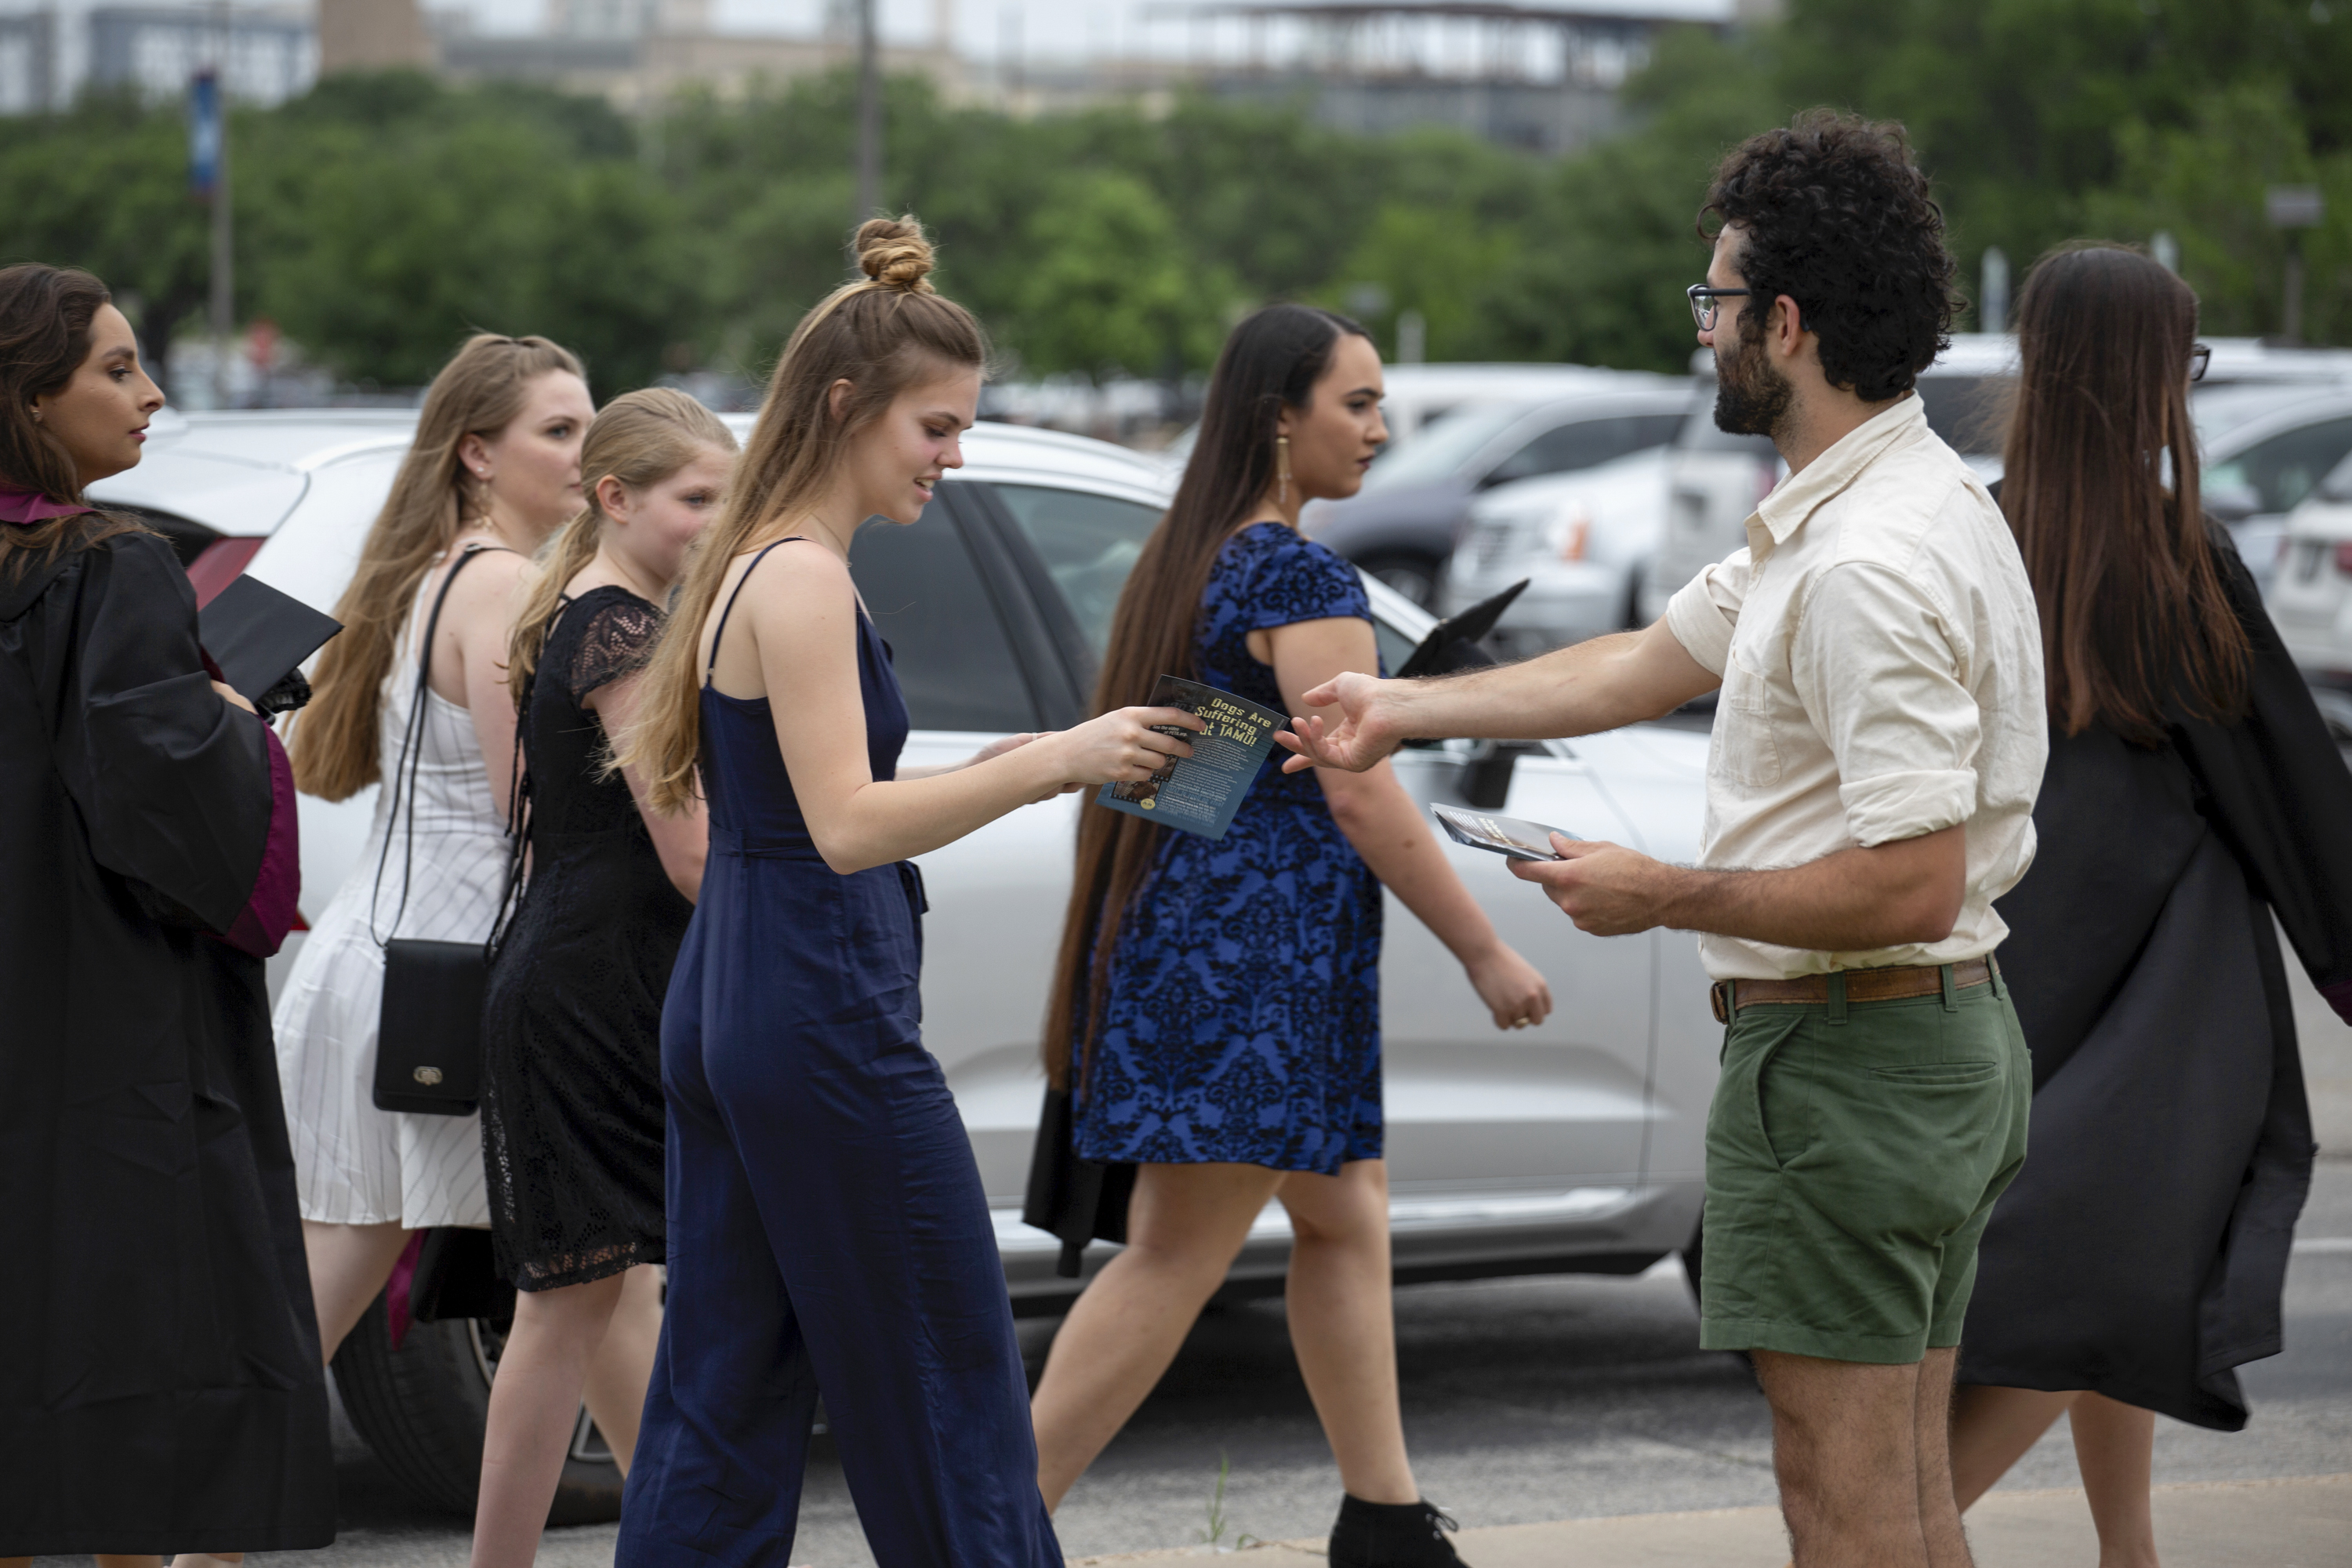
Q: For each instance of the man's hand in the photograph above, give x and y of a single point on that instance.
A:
(1606, 890)
(1366, 733)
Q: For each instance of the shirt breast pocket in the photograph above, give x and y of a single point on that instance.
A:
(1745, 751)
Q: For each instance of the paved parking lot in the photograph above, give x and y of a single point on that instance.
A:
(1526, 1401)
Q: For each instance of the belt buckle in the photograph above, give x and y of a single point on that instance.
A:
(1719, 999)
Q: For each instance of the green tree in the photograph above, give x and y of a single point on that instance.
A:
(1109, 286)
(2204, 182)
(104, 186)
(393, 221)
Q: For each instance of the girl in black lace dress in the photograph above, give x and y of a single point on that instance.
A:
(572, 1098)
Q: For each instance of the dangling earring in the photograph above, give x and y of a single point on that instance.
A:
(1282, 471)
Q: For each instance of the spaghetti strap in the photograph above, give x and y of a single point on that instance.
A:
(711, 666)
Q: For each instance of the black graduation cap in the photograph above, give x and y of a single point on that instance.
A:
(260, 637)
(1452, 643)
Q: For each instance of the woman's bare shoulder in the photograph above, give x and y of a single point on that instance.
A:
(486, 583)
(796, 574)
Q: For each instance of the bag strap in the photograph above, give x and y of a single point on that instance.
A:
(411, 739)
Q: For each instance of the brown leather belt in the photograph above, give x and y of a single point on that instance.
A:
(1861, 985)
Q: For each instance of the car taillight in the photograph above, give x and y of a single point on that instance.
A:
(219, 565)
(2344, 558)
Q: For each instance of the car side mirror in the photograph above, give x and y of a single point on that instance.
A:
(2231, 503)
(1487, 775)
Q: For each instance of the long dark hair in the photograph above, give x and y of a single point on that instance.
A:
(1271, 362)
(2133, 618)
(45, 317)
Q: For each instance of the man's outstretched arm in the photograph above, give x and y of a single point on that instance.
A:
(1908, 891)
(1580, 690)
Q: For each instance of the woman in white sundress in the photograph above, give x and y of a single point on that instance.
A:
(494, 470)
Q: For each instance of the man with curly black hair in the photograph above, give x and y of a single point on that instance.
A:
(1877, 748)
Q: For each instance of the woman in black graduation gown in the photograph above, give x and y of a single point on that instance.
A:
(2192, 796)
(160, 1391)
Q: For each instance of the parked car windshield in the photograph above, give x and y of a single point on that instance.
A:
(2285, 468)
(1088, 542)
(2218, 410)
(1432, 457)
(1586, 443)
(1969, 412)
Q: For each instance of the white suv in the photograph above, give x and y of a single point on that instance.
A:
(1575, 1146)
(2310, 596)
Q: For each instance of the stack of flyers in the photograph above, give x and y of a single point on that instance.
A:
(1200, 793)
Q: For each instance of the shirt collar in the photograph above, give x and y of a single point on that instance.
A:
(1786, 508)
(22, 506)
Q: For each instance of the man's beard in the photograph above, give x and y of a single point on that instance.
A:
(1752, 399)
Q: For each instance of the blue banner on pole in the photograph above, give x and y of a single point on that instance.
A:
(204, 132)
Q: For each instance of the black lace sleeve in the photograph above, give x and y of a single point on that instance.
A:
(614, 640)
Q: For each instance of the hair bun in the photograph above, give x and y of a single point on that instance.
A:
(893, 252)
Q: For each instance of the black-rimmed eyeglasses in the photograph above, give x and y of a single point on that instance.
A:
(1702, 302)
(2201, 356)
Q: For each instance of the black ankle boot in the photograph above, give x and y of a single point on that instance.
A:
(1392, 1535)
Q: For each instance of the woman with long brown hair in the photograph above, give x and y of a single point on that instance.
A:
(828, 1231)
(572, 1101)
(160, 1390)
(2192, 798)
(494, 470)
(1216, 1009)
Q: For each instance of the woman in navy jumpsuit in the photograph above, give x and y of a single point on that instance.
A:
(827, 1234)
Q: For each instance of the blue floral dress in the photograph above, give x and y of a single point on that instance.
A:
(1241, 1018)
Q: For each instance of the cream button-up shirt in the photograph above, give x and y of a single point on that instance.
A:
(1881, 660)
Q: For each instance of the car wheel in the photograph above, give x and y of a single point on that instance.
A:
(421, 1409)
(1413, 575)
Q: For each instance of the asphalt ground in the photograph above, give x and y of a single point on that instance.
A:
(1526, 1400)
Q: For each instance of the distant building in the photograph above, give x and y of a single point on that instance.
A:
(373, 35)
(264, 56)
(626, 19)
(29, 62)
(637, 53)
(1542, 77)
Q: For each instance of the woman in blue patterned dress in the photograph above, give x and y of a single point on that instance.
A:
(1216, 1015)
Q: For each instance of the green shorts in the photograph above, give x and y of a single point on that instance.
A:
(1853, 1152)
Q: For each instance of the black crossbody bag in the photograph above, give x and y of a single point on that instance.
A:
(428, 1044)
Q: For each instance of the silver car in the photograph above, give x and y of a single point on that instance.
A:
(1403, 524)
(2268, 419)
(1574, 1146)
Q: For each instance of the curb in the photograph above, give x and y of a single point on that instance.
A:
(2298, 1522)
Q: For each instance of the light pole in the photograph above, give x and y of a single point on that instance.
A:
(869, 116)
(208, 179)
(2292, 208)
(1992, 284)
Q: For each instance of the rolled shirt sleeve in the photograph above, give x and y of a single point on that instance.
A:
(1875, 662)
(1704, 611)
